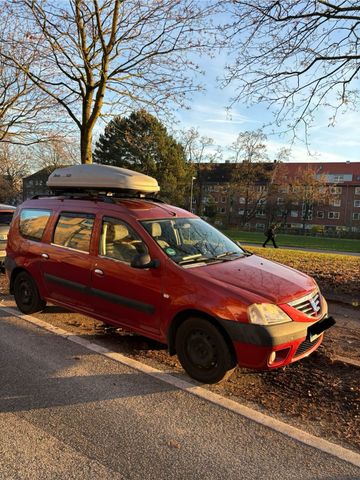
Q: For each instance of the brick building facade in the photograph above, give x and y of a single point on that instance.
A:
(339, 214)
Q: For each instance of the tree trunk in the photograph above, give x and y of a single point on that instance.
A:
(86, 145)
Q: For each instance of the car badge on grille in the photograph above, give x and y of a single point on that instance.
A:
(314, 305)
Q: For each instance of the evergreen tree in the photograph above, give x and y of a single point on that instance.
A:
(140, 142)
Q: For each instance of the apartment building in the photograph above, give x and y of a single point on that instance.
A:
(339, 213)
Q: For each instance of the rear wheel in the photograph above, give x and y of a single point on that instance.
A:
(27, 295)
(203, 351)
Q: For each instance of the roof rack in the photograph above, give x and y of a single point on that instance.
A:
(109, 197)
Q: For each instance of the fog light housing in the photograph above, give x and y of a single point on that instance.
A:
(278, 357)
(272, 357)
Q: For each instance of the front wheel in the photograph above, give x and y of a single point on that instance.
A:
(203, 351)
(27, 295)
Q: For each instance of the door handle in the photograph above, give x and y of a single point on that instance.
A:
(45, 255)
(97, 271)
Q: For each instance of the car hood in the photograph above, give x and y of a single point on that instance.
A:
(259, 279)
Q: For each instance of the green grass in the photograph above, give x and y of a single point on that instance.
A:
(284, 240)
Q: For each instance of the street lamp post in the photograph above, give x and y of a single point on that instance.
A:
(191, 192)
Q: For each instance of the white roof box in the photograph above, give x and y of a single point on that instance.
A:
(101, 177)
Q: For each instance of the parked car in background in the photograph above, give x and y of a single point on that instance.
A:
(6, 214)
(104, 246)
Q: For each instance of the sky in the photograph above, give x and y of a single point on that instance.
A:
(208, 113)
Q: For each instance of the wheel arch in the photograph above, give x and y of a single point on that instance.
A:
(184, 315)
(15, 272)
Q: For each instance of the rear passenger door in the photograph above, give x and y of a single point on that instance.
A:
(122, 294)
(66, 263)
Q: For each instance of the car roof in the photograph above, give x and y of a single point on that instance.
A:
(139, 208)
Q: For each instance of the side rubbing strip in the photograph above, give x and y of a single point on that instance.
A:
(111, 297)
(125, 301)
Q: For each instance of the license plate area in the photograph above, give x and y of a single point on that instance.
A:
(319, 327)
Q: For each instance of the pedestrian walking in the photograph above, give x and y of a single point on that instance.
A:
(270, 235)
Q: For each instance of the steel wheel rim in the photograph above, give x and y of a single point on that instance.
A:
(201, 350)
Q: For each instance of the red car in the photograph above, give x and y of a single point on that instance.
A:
(6, 214)
(155, 269)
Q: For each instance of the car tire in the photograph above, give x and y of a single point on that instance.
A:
(27, 295)
(203, 351)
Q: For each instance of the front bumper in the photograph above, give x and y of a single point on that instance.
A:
(273, 346)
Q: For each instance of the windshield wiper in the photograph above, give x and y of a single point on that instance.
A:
(192, 258)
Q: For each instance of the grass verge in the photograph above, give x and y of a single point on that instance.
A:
(320, 243)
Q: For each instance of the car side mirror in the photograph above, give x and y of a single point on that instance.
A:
(143, 260)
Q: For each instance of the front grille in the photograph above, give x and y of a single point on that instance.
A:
(305, 346)
(310, 305)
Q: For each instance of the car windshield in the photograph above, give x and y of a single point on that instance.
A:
(5, 218)
(191, 240)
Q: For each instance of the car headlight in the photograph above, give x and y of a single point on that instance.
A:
(266, 314)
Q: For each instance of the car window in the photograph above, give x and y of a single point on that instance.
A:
(6, 217)
(33, 223)
(119, 241)
(73, 230)
(187, 240)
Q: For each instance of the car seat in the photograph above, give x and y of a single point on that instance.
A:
(156, 234)
(117, 243)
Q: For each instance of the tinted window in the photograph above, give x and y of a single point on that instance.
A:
(73, 230)
(33, 223)
(6, 217)
(119, 241)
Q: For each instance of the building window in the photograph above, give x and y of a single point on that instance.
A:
(356, 216)
(260, 212)
(260, 226)
(335, 202)
(335, 190)
(242, 200)
(320, 214)
(280, 201)
(223, 199)
(333, 215)
(221, 209)
(357, 203)
(357, 190)
(338, 178)
(294, 213)
(241, 212)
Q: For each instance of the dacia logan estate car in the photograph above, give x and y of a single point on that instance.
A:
(6, 214)
(160, 271)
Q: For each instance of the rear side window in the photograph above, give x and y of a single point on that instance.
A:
(73, 230)
(5, 218)
(33, 223)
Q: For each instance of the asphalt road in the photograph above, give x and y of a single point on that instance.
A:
(69, 413)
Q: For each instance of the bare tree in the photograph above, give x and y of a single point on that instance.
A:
(95, 55)
(296, 55)
(308, 189)
(13, 167)
(22, 107)
(250, 175)
(201, 152)
(56, 152)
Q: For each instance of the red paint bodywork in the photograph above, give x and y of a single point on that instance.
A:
(222, 291)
